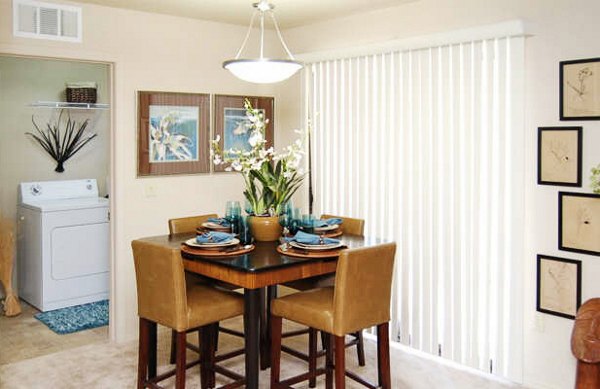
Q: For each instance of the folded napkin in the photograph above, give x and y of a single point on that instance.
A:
(220, 221)
(304, 238)
(328, 222)
(214, 237)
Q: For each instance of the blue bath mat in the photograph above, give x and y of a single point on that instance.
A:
(76, 318)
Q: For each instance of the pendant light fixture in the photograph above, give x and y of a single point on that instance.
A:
(263, 70)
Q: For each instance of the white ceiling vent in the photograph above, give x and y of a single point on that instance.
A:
(36, 19)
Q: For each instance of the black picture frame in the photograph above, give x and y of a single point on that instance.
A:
(568, 85)
(541, 303)
(579, 222)
(549, 161)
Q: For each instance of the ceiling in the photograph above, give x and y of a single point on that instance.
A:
(289, 13)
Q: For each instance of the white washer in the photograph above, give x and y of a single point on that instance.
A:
(63, 243)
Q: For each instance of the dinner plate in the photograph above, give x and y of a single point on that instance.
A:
(215, 226)
(329, 246)
(193, 243)
(327, 228)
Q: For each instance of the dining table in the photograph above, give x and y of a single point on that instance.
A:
(258, 272)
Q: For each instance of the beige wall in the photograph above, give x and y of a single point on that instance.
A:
(561, 30)
(149, 52)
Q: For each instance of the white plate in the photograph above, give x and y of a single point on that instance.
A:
(327, 228)
(214, 226)
(329, 246)
(192, 243)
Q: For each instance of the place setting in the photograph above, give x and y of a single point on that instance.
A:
(304, 244)
(217, 244)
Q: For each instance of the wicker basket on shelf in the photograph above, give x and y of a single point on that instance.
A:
(82, 92)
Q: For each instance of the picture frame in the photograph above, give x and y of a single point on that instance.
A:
(173, 133)
(580, 89)
(560, 156)
(230, 123)
(579, 222)
(558, 286)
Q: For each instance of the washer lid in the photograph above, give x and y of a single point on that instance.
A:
(66, 204)
(33, 192)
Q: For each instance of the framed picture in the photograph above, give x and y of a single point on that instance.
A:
(233, 127)
(579, 222)
(558, 286)
(173, 133)
(559, 156)
(580, 89)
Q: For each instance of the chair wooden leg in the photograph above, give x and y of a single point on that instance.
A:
(275, 350)
(180, 351)
(312, 357)
(340, 362)
(172, 357)
(151, 349)
(360, 348)
(328, 345)
(383, 356)
(143, 346)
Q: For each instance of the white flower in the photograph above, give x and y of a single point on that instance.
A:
(237, 166)
(255, 139)
(218, 138)
(228, 169)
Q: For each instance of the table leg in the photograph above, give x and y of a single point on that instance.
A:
(265, 326)
(252, 335)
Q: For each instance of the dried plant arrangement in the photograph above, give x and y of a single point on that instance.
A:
(61, 143)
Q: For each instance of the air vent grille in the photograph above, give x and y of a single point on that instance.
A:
(35, 19)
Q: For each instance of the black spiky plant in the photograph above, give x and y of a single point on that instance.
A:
(62, 143)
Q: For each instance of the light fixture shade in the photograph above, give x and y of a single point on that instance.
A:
(262, 71)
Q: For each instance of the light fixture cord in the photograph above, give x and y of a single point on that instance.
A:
(262, 34)
(280, 36)
(247, 34)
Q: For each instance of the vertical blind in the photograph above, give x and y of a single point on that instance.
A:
(427, 146)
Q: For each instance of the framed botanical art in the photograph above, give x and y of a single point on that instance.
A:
(232, 126)
(559, 156)
(580, 89)
(173, 133)
(579, 222)
(558, 286)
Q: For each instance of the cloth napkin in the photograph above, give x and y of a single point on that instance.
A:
(214, 237)
(220, 221)
(304, 238)
(328, 222)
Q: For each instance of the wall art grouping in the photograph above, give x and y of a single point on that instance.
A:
(174, 129)
(580, 89)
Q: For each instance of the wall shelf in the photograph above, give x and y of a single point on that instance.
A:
(63, 104)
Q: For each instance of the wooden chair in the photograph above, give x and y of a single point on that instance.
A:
(585, 344)
(164, 298)
(340, 310)
(349, 226)
(188, 225)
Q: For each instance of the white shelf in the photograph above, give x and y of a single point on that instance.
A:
(63, 104)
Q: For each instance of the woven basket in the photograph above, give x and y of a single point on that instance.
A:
(81, 95)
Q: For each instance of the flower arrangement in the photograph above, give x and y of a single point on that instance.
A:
(595, 179)
(271, 178)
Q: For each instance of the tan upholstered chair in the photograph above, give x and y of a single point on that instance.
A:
(164, 298)
(189, 224)
(341, 310)
(349, 226)
(7, 250)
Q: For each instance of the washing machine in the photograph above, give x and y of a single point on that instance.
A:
(63, 243)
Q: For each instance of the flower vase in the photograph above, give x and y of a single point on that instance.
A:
(265, 228)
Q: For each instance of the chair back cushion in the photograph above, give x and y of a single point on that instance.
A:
(160, 285)
(350, 225)
(363, 284)
(187, 224)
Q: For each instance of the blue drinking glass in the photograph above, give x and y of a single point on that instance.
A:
(308, 223)
(245, 232)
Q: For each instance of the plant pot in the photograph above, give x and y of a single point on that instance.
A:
(265, 228)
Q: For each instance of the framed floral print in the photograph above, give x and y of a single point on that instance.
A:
(173, 133)
(559, 156)
(231, 124)
(580, 89)
(558, 286)
(579, 222)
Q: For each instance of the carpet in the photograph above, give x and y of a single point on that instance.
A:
(76, 318)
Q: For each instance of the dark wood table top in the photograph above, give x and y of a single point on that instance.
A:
(261, 267)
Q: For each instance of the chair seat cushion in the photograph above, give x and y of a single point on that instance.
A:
(208, 305)
(313, 308)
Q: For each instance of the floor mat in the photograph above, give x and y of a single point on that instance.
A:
(76, 318)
